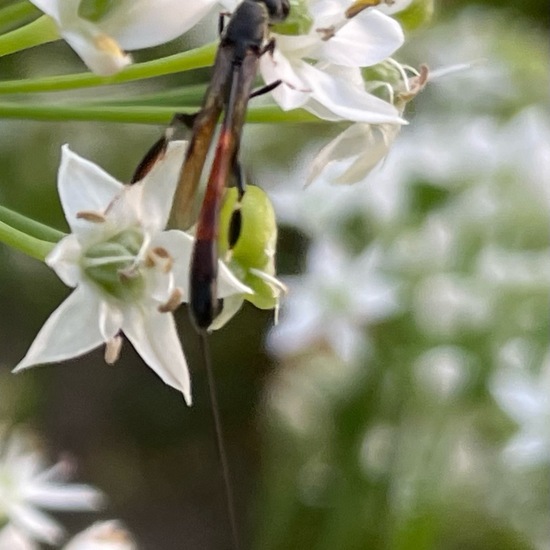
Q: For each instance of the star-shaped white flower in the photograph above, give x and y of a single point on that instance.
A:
(26, 485)
(362, 146)
(334, 302)
(128, 274)
(126, 25)
(333, 87)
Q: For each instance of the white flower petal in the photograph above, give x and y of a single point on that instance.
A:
(155, 337)
(518, 395)
(99, 51)
(159, 186)
(137, 24)
(58, 473)
(123, 211)
(231, 306)
(38, 525)
(59, 496)
(294, 91)
(361, 147)
(84, 187)
(299, 327)
(14, 539)
(376, 144)
(346, 339)
(528, 449)
(345, 101)
(180, 247)
(64, 258)
(228, 284)
(71, 330)
(110, 320)
(365, 40)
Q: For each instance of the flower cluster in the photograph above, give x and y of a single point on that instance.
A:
(127, 272)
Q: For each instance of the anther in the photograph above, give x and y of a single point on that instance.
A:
(173, 302)
(327, 32)
(159, 256)
(90, 216)
(112, 350)
(108, 45)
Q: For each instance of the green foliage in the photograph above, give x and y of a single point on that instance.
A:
(418, 14)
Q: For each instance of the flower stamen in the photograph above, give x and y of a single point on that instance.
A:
(90, 216)
(159, 256)
(173, 302)
(112, 350)
(108, 45)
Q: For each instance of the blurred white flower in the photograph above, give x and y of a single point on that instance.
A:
(446, 304)
(103, 535)
(333, 302)
(362, 146)
(333, 88)
(358, 150)
(128, 274)
(321, 208)
(26, 486)
(442, 371)
(13, 539)
(525, 397)
(100, 38)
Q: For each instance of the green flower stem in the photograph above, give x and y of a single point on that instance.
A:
(29, 226)
(188, 95)
(24, 243)
(38, 32)
(138, 114)
(194, 59)
(13, 14)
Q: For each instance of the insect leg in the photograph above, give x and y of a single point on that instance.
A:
(265, 89)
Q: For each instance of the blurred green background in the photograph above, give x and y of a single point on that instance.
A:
(435, 433)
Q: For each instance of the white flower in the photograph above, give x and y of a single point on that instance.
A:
(127, 273)
(13, 539)
(26, 486)
(525, 397)
(333, 302)
(333, 88)
(103, 535)
(362, 146)
(127, 25)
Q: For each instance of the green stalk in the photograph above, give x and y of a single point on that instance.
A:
(138, 114)
(13, 14)
(24, 243)
(38, 32)
(194, 59)
(30, 227)
(187, 95)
